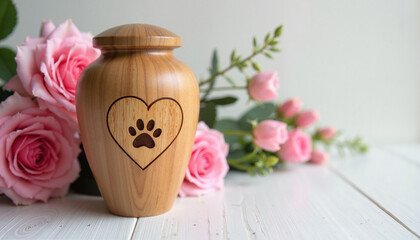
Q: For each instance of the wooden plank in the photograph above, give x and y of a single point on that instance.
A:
(299, 202)
(388, 180)
(72, 217)
(410, 152)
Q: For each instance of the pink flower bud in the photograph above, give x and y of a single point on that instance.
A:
(263, 86)
(319, 157)
(290, 108)
(297, 148)
(327, 133)
(269, 134)
(307, 118)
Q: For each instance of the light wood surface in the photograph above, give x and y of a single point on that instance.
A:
(72, 217)
(138, 112)
(296, 202)
(389, 180)
(410, 152)
(300, 202)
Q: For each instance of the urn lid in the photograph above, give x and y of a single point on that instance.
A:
(137, 36)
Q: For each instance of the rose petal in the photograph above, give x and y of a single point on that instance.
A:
(26, 66)
(15, 104)
(26, 189)
(15, 84)
(66, 29)
(46, 28)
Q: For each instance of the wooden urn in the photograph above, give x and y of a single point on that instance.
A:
(137, 107)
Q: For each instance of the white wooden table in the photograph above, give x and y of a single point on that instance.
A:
(376, 196)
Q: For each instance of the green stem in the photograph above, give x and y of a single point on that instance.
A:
(243, 167)
(235, 64)
(244, 158)
(237, 133)
(225, 88)
(354, 145)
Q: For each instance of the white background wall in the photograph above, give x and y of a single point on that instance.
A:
(356, 62)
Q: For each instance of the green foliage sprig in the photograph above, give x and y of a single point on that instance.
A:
(208, 109)
(244, 155)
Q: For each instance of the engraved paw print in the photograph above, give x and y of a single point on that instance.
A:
(144, 139)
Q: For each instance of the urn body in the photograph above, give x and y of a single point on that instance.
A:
(137, 108)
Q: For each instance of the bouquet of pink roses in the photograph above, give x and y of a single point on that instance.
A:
(39, 140)
(39, 135)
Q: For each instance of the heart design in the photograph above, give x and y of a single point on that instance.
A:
(144, 131)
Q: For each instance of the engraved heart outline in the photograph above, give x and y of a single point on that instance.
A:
(148, 108)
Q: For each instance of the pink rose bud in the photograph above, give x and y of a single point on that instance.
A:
(290, 108)
(307, 118)
(208, 166)
(327, 133)
(297, 148)
(263, 86)
(319, 157)
(269, 134)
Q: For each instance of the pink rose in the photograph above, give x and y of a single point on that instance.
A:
(208, 166)
(263, 86)
(38, 152)
(297, 148)
(307, 118)
(319, 157)
(269, 134)
(290, 108)
(326, 133)
(48, 67)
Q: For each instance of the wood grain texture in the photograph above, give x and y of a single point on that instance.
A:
(137, 36)
(408, 152)
(389, 181)
(134, 177)
(299, 202)
(73, 217)
(144, 131)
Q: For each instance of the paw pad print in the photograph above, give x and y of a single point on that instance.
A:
(144, 139)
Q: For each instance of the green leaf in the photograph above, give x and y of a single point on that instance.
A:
(228, 125)
(208, 113)
(251, 172)
(233, 56)
(273, 43)
(268, 55)
(7, 64)
(256, 67)
(223, 100)
(230, 80)
(214, 69)
(278, 31)
(8, 18)
(261, 172)
(214, 63)
(244, 64)
(273, 49)
(235, 153)
(254, 42)
(267, 38)
(256, 113)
